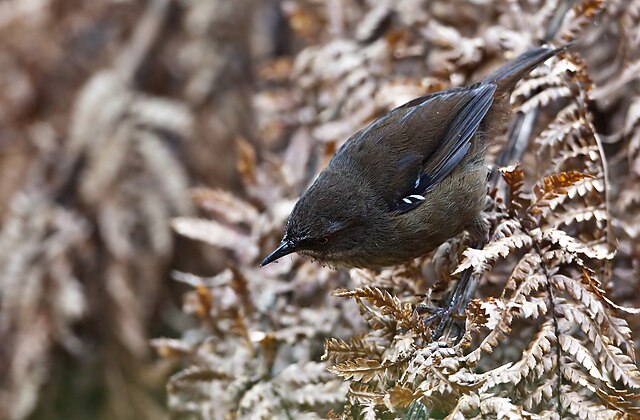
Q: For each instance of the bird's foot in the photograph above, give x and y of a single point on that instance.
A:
(443, 315)
(455, 304)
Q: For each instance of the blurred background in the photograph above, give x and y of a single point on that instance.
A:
(124, 125)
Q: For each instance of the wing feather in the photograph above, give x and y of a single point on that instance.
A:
(454, 145)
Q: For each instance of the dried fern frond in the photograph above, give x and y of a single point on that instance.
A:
(545, 335)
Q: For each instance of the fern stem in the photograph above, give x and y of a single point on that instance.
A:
(556, 328)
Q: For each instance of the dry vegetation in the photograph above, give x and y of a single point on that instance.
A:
(139, 144)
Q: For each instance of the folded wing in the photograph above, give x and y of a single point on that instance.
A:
(454, 143)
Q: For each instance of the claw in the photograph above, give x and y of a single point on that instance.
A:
(440, 313)
(443, 314)
(451, 309)
(455, 304)
(421, 308)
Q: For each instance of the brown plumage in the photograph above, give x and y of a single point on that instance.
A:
(410, 180)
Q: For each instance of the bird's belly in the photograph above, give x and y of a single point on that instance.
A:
(447, 210)
(451, 207)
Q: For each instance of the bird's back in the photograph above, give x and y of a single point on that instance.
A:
(432, 134)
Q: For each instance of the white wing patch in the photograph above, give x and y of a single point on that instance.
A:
(413, 200)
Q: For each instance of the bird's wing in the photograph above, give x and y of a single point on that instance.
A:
(458, 137)
(469, 108)
(404, 154)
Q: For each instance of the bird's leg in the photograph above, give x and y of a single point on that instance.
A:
(479, 231)
(451, 309)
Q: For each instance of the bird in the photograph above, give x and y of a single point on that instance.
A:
(410, 180)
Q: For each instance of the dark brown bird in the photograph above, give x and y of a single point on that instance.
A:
(410, 180)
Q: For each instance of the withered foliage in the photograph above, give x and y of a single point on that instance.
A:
(126, 125)
(94, 164)
(546, 333)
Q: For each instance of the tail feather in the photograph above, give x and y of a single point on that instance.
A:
(509, 74)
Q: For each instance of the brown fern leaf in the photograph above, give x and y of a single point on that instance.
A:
(514, 177)
(376, 321)
(366, 393)
(578, 352)
(588, 278)
(536, 361)
(545, 97)
(621, 367)
(225, 205)
(336, 349)
(553, 186)
(616, 329)
(522, 274)
(580, 406)
(618, 365)
(481, 259)
(570, 244)
(499, 332)
(168, 347)
(501, 407)
(466, 406)
(360, 369)
(581, 15)
(389, 305)
(543, 393)
(399, 397)
(623, 401)
(197, 374)
(317, 395)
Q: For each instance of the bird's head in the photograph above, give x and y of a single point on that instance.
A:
(327, 223)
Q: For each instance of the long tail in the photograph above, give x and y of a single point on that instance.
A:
(508, 75)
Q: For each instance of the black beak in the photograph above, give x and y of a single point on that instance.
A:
(286, 247)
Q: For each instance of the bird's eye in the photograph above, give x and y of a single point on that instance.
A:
(323, 240)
